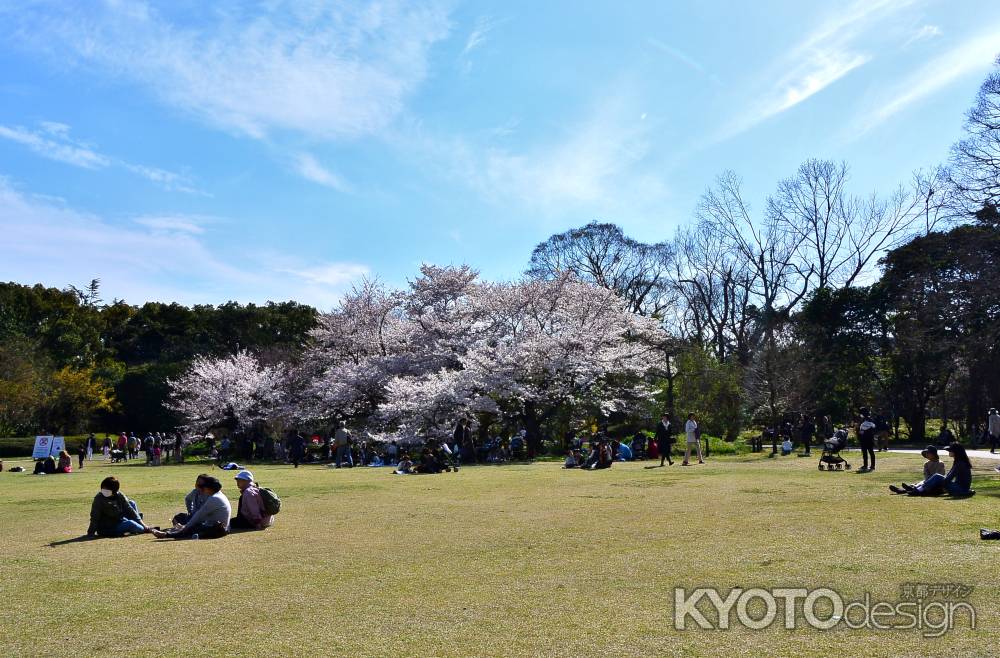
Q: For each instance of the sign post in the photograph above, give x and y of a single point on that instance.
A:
(43, 447)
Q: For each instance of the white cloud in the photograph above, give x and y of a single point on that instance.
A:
(164, 258)
(54, 143)
(971, 56)
(193, 224)
(336, 275)
(823, 57)
(64, 151)
(924, 32)
(322, 69)
(597, 164)
(309, 168)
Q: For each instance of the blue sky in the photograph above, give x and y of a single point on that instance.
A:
(284, 149)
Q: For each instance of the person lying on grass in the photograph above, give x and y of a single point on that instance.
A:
(210, 519)
(114, 515)
(933, 466)
(250, 514)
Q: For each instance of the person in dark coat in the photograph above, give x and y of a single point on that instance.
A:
(665, 439)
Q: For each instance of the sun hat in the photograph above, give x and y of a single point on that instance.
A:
(929, 450)
(245, 475)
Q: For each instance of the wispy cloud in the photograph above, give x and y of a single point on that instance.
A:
(157, 258)
(53, 141)
(193, 224)
(922, 33)
(597, 163)
(683, 58)
(326, 70)
(971, 56)
(336, 275)
(60, 149)
(478, 36)
(823, 57)
(309, 168)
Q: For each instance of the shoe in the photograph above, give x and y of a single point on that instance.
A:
(685, 464)
(863, 469)
(908, 487)
(700, 461)
(896, 490)
(196, 536)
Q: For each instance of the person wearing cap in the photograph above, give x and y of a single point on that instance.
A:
(933, 466)
(250, 514)
(993, 428)
(210, 519)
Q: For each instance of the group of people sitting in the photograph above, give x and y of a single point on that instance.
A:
(207, 515)
(601, 455)
(956, 482)
(50, 465)
(434, 458)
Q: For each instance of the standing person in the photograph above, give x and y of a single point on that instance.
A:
(342, 440)
(882, 432)
(296, 447)
(458, 436)
(90, 445)
(123, 446)
(806, 431)
(993, 428)
(866, 439)
(179, 447)
(82, 453)
(250, 514)
(106, 449)
(692, 436)
(664, 439)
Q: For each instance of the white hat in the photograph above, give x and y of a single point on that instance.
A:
(245, 475)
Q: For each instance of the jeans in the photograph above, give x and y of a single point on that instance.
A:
(128, 525)
(936, 481)
(204, 531)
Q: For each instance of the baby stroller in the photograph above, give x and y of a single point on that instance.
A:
(831, 452)
(117, 456)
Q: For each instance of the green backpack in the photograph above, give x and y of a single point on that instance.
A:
(272, 503)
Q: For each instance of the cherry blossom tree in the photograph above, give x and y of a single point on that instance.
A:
(235, 390)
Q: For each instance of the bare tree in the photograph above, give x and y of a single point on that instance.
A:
(838, 235)
(603, 255)
(975, 161)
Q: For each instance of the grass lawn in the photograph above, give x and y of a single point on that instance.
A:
(520, 560)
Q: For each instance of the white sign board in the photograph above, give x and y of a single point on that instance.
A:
(43, 447)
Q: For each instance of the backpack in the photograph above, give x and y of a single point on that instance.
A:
(272, 503)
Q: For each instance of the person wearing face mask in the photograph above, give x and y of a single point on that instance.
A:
(114, 515)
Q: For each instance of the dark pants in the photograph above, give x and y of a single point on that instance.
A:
(868, 449)
(994, 440)
(665, 453)
(239, 523)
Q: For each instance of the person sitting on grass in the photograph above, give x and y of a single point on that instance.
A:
(250, 514)
(786, 446)
(958, 482)
(114, 515)
(405, 465)
(593, 456)
(933, 466)
(65, 464)
(572, 459)
(210, 519)
(193, 500)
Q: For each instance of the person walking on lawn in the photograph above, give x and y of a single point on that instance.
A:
(693, 436)
(664, 439)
